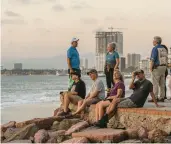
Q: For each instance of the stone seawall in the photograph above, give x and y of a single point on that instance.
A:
(134, 118)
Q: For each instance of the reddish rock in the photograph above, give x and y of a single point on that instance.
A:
(157, 136)
(64, 124)
(10, 131)
(56, 133)
(142, 133)
(42, 123)
(20, 141)
(77, 127)
(132, 133)
(25, 133)
(8, 125)
(2, 136)
(41, 136)
(52, 140)
(57, 111)
(77, 140)
(102, 135)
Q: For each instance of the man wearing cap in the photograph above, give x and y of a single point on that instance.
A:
(141, 89)
(96, 94)
(73, 60)
(78, 92)
(158, 63)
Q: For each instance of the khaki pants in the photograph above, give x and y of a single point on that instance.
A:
(158, 80)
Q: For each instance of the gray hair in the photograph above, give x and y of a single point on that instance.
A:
(158, 39)
(113, 45)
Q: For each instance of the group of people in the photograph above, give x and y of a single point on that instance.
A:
(106, 105)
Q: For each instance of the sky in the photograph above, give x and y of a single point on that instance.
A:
(44, 28)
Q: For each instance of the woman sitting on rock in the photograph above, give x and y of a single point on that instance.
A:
(118, 90)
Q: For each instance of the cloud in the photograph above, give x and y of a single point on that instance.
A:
(79, 5)
(58, 7)
(12, 14)
(13, 21)
(89, 21)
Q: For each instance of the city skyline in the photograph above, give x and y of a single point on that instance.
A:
(44, 28)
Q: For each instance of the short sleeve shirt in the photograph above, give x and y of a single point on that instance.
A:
(73, 55)
(80, 88)
(111, 58)
(119, 85)
(159, 55)
(98, 86)
(141, 92)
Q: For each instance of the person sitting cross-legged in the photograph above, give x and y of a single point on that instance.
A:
(118, 90)
(141, 89)
(77, 93)
(96, 94)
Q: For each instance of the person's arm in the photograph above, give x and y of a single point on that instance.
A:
(154, 99)
(153, 57)
(117, 60)
(132, 84)
(94, 94)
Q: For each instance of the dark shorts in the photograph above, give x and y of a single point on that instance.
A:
(74, 69)
(92, 101)
(126, 103)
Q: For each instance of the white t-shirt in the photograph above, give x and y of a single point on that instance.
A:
(98, 86)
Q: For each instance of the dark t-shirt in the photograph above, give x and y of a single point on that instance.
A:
(141, 92)
(114, 90)
(80, 88)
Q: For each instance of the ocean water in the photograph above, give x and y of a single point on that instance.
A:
(16, 90)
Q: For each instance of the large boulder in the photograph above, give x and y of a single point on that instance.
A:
(21, 141)
(10, 124)
(10, 131)
(142, 133)
(157, 136)
(103, 135)
(77, 127)
(42, 123)
(64, 124)
(132, 133)
(77, 140)
(41, 136)
(52, 140)
(24, 133)
(57, 136)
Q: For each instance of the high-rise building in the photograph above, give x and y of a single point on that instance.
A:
(133, 60)
(84, 63)
(145, 65)
(102, 40)
(18, 66)
(122, 64)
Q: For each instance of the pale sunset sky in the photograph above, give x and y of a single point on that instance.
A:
(44, 28)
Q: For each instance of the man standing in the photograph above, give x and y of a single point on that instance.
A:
(158, 63)
(73, 60)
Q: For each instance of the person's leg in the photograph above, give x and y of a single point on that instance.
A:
(84, 104)
(155, 81)
(66, 102)
(108, 81)
(97, 112)
(80, 102)
(166, 74)
(102, 106)
(162, 83)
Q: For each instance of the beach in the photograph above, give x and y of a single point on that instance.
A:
(27, 111)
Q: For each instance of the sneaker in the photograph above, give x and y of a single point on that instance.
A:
(64, 113)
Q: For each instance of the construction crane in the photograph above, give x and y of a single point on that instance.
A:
(111, 28)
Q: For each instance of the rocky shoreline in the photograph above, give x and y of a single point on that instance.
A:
(57, 129)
